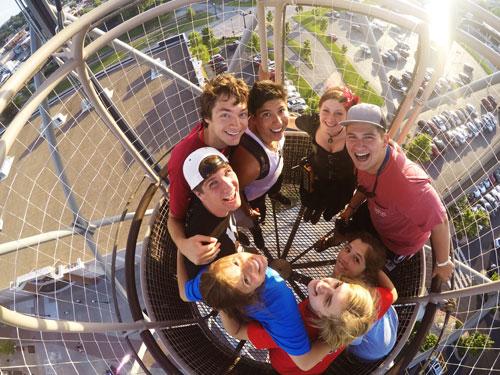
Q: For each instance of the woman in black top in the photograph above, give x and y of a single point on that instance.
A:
(333, 178)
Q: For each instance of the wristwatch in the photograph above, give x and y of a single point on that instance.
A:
(448, 261)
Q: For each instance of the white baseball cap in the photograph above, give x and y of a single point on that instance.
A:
(194, 169)
(365, 113)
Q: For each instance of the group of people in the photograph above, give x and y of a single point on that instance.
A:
(220, 175)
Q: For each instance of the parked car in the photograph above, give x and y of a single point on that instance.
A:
(486, 183)
(387, 57)
(468, 69)
(333, 37)
(486, 105)
(355, 27)
(402, 45)
(217, 58)
(397, 84)
(492, 100)
(471, 109)
(365, 50)
(496, 173)
(465, 78)
(440, 144)
(404, 53)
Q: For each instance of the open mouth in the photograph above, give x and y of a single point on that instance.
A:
(231, 197)
(362, 157)
(233, 133)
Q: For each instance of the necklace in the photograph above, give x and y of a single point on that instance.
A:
(331, 136)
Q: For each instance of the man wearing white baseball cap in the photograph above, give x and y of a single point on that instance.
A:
(403, 207)
(216, 196)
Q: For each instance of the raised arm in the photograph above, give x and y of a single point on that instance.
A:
(247, 169)
(182, 276)
(233, 327)
(357, 200)
(385, 282)
(440, 239)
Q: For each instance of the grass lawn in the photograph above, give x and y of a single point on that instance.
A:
(297, 48)
(349, 74)
(305, 90)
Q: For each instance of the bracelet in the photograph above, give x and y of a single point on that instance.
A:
(448, 261)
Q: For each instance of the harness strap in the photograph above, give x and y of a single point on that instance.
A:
(253, 147)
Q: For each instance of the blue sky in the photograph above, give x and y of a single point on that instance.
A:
(9, 8)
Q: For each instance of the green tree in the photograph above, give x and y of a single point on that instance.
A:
(419, 148)
(467, 221)
(312, 102)
(288, 28)
(254, 42)
(269, 17)
(323, 24)
(208, 37)
(474, 344)
(316, 11)
(430, 341)
(306, 51)
(344, 49)
(7, 347)
(195, 39)
(190, 14)
(201, 52)
(97, 3)
(299, 8)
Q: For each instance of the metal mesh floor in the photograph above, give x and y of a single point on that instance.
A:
(196, 340)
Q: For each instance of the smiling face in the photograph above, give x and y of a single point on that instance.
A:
(227, 123)
(219, 192)
(366, 146)
(243, 271)
(271, 120)
(328, 297)
(351, 261)
(331, 113)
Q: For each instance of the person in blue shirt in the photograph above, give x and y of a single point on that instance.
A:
(364, 258)
(244, 288)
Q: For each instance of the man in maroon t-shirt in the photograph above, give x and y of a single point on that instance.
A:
(224, 116)
(404, 208)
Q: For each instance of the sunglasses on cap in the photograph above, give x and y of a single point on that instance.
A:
(211, 164)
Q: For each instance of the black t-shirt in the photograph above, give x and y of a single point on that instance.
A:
(200, 221)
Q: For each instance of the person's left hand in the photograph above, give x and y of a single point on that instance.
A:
(444, 272)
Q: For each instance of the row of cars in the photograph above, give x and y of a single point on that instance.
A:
(442, 86)
(456, 127)
(295, 102)
(486, 194)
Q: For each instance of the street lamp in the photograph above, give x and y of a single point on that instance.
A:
(215, 10)
(243, 14)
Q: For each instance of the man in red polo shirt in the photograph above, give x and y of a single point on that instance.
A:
(224, 116)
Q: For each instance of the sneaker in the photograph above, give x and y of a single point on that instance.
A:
(285, 201)
(258, 238)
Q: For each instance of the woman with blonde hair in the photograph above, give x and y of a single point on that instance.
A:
(255, 302)
(363, 257)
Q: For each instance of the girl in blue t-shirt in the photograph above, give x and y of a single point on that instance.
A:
(243, 287)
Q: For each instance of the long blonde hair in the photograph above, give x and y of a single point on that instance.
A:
(355, 320)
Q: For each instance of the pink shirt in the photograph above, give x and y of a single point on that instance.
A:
(406, 207)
